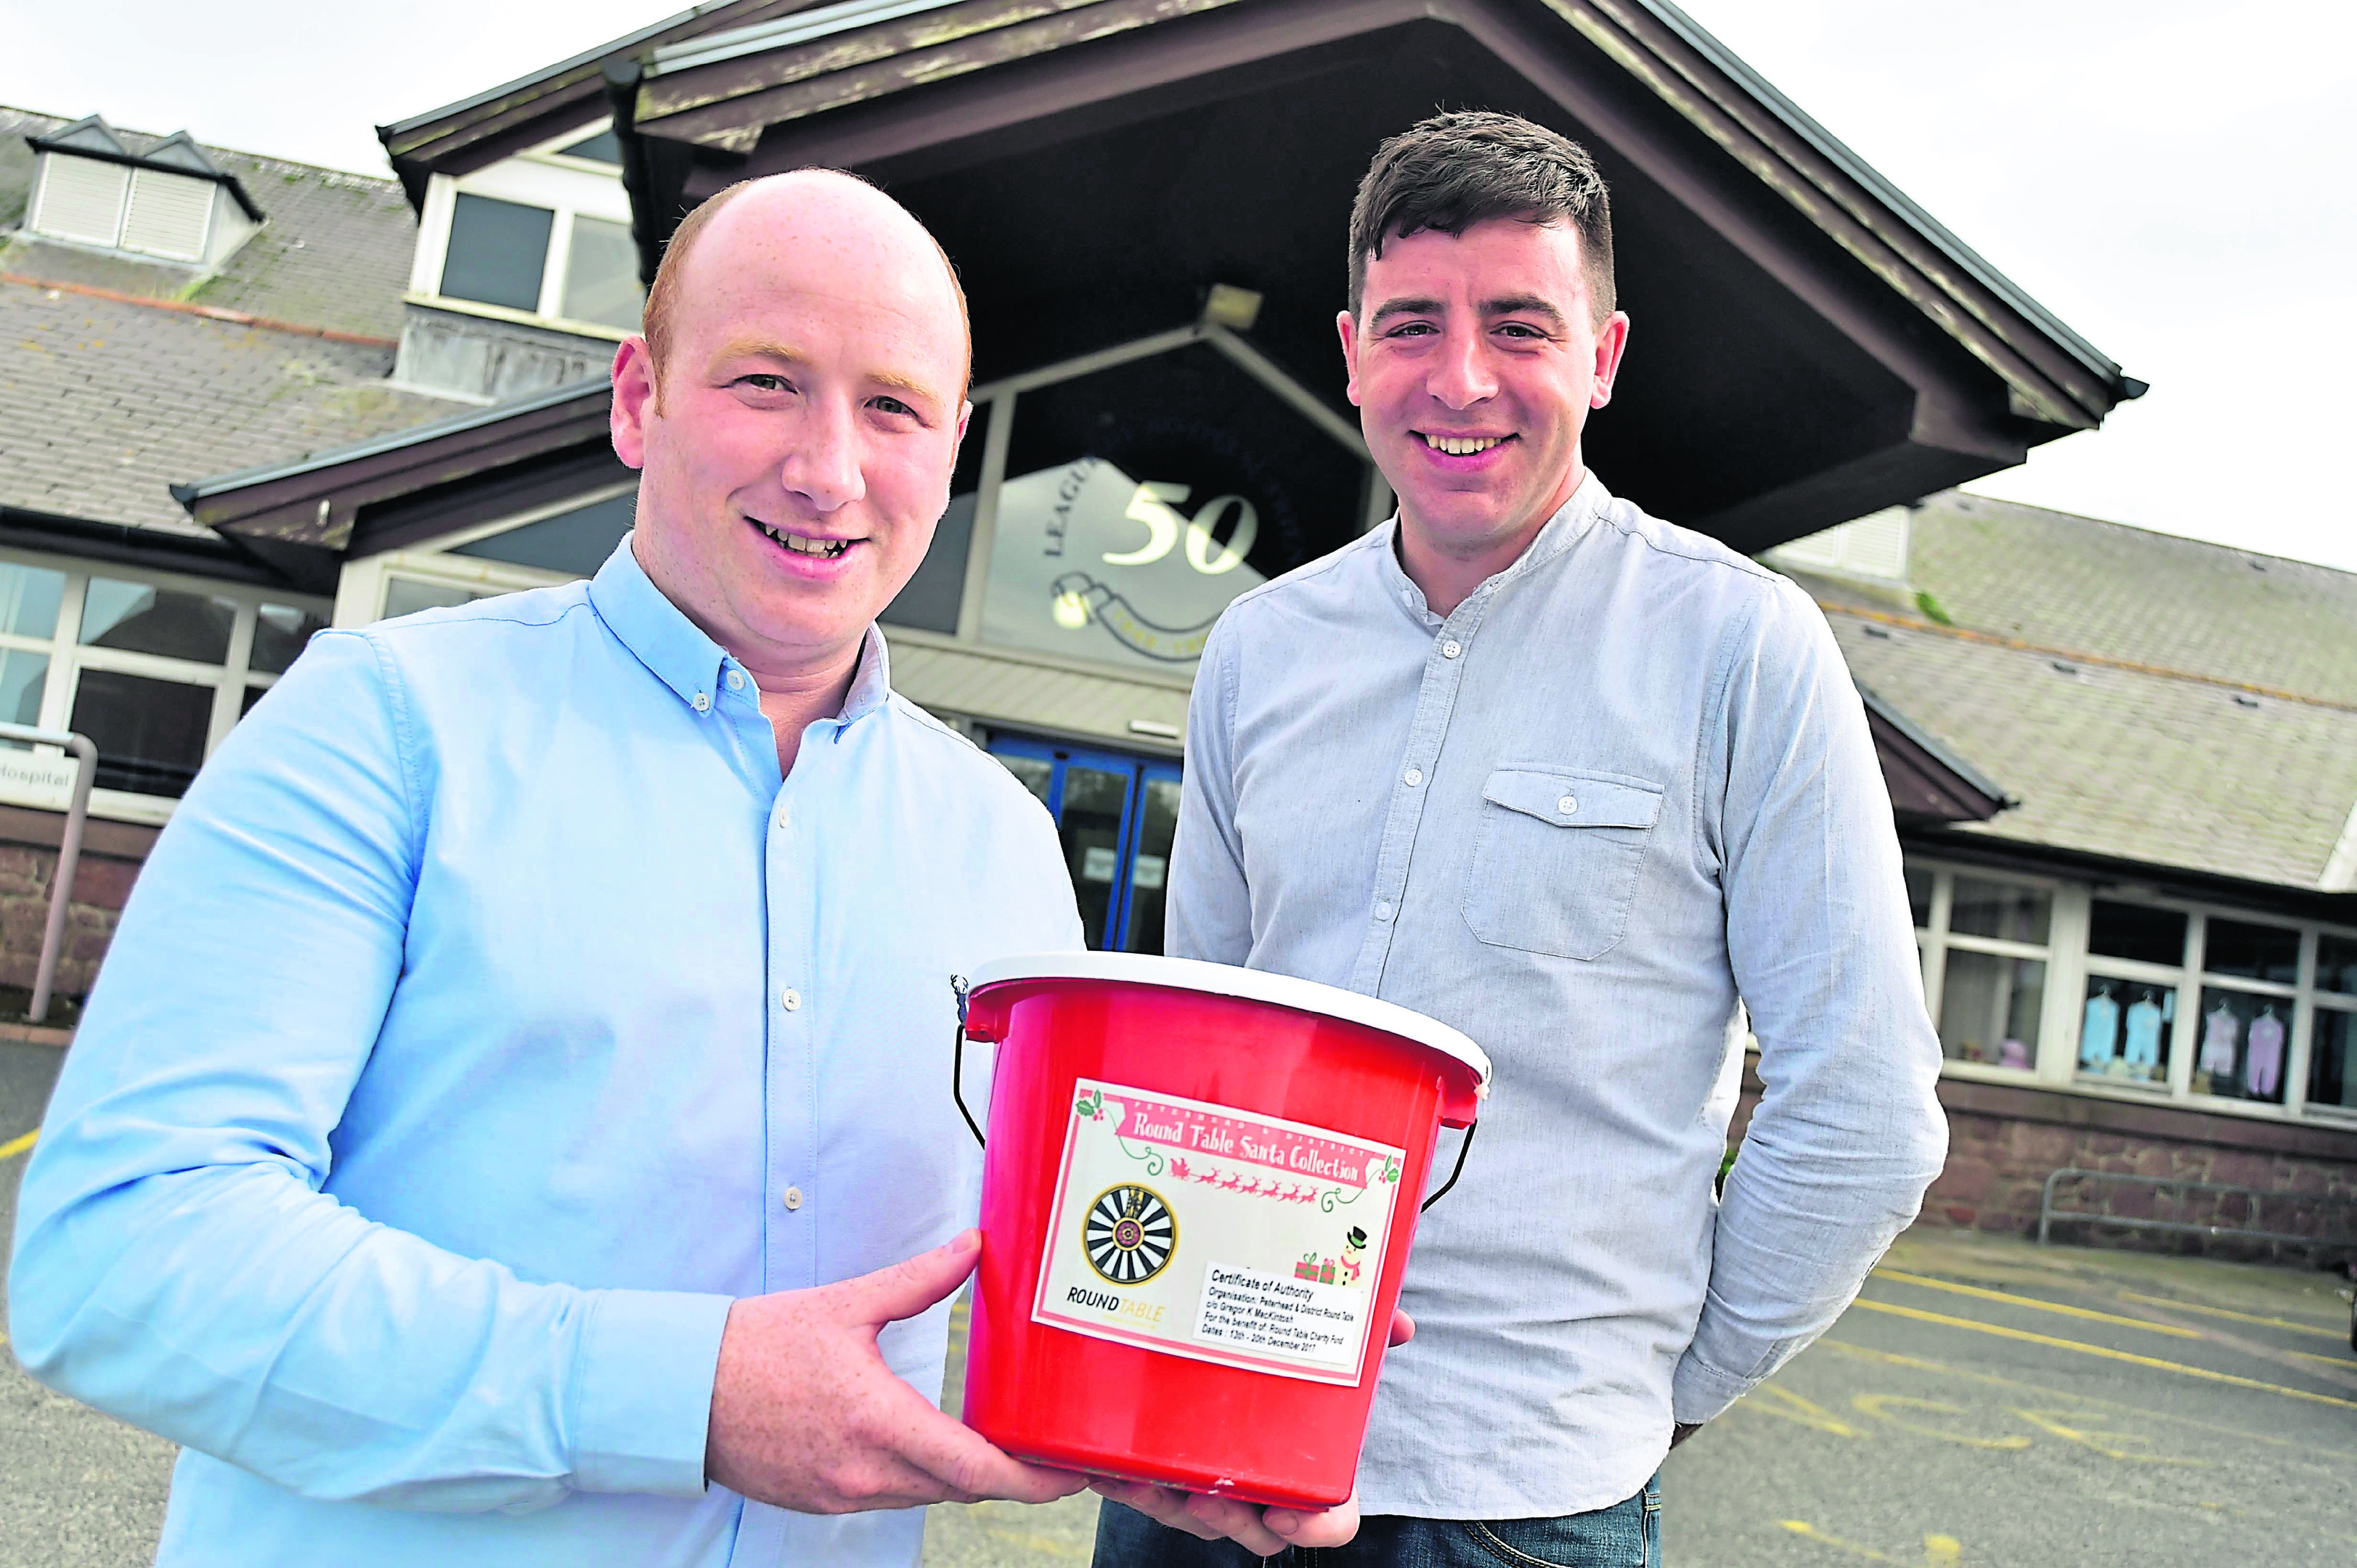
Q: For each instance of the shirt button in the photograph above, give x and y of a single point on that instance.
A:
(784, 817)
(736, 680)
(792, 1001)
(1450, 649)
(1568, 805)
(1413, 777)
(1383, 910)
(793, 1199)
(700, 703)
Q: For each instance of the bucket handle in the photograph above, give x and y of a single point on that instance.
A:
(957, 1092)
(957, 1062)
(1467, 1142)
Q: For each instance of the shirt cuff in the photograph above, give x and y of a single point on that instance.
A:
(642, 1403)
(1699, 1391)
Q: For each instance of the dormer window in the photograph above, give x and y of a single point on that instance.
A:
(169, 202)
(543, 235)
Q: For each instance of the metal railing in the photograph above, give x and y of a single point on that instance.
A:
(2047, 1214)
(68, 853)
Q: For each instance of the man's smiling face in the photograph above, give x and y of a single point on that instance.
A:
(1474, 360)
(797, 444)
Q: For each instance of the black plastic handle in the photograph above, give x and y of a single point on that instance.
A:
(957, 1062)
(1461, 1147)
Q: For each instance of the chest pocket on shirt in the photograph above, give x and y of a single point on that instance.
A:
(1556, 857)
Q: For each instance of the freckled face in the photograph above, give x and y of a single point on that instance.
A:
(797, 452)
(1475, 362)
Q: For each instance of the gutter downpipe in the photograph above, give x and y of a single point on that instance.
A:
(68, 853)
(621, 83)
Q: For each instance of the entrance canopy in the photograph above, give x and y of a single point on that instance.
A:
(1809, 345)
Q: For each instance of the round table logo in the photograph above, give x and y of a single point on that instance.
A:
(1129, 1234)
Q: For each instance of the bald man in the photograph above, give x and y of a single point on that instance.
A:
(514, 1125)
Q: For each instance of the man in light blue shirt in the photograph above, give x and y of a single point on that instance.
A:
(1584, 784)
(514, 1125)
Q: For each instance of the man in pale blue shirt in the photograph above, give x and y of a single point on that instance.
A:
(1584, 784)
(513, 1125)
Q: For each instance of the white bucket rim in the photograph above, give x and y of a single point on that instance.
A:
(1250, 985)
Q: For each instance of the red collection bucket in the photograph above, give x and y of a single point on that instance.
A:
(1198, 1199)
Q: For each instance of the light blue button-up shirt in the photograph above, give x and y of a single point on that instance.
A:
(489, 1017)
(1624, 785)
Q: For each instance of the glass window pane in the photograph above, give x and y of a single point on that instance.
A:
(407, 595)
(601, 274)
(279, 633)
(2125, 1029)
(933, 595)
(29, 599)
(1093, 798)
(150, 734)
(2134, 931)
(2331, 1076)
(2256, 952)
(1988, 1008)
(2003, 909)
(2242, 1045)
(498, 250)
(138, 618)
(1149, 873)
(253, 695)
(1918, 897)
(2336, 962)
(575, 542)
(604, 148)
(1140, 499)
(22, 677)
(1035, 773)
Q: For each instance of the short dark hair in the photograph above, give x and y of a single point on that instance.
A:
(1455, 170)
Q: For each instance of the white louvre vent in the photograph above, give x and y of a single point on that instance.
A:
(169, 214)
(1874, 546)
(80, 199)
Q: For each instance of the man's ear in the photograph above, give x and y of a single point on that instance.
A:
(1347, 326)
(634, 400)
(1611, 342)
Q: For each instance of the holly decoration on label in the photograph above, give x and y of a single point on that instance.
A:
(1091, 1106)
(1390, 1169)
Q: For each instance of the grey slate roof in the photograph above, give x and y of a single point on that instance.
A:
(2208, 717)
(334, 250)
(105, 403)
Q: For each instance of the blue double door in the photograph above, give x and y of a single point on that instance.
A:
(1116, 816)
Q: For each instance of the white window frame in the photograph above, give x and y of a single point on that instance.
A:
(360, 592)
(540, 176)
(230, 681)
(1935, 942)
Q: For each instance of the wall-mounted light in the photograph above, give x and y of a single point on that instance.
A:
(1231, 306)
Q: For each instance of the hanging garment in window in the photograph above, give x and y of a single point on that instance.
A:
(2144, 1034)
(2264, 1071)
(2220, 1031)
(2099, 1034)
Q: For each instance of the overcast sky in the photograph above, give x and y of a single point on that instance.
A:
(2178, 180)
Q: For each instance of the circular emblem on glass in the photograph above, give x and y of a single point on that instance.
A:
(1129, 1234)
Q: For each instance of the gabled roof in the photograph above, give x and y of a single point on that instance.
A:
(93, 138)
(2149, 698)
(725, 90)
(461, 137)
(334, 254)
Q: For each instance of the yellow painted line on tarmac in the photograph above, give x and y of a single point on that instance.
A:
(1979, 1294)
(2235, 1317)
(2345, 1363)
(15, 1147)
(2108, 1354)
(1942, 1369)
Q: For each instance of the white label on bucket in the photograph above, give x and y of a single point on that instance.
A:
(1216, 1234)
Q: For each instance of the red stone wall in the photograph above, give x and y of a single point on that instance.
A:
(101, 885)
(2004, 1141)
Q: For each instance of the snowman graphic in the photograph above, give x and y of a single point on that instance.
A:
(1353, 1245)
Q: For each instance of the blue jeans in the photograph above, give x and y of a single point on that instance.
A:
(1626, 1535)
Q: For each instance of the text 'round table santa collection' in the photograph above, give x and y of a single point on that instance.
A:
(1197, 1204)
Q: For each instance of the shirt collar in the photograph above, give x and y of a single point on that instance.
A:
(683, 658)
(1582, 507)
